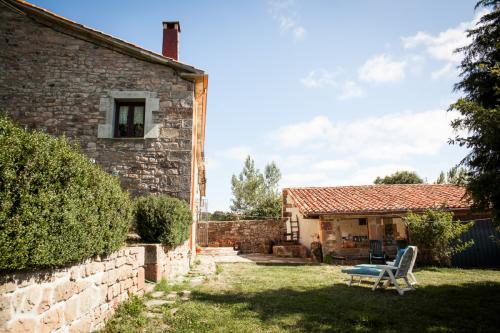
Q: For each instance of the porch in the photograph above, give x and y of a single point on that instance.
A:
(348, 237)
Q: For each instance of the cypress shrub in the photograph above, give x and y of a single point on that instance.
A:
(56, 206)
(163, 219)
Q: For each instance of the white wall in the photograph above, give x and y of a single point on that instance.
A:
(308, 228)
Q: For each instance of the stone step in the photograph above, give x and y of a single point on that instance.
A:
(218, 251)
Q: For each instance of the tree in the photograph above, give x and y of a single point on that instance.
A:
(256, 194)
(437, 236)
(221, 216)
(400, 177)
(455, 176)
(478, 126)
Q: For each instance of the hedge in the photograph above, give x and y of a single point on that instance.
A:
(163, 219)
(56, 206)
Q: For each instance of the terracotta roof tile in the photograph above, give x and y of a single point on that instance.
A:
(377, 198)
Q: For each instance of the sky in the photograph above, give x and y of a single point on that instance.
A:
(335, 92)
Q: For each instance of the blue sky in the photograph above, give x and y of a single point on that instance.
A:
(336, 92)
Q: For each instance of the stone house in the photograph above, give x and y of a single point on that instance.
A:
(345, 218)
(139, 114)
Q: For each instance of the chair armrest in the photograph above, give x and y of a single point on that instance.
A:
(386, 267)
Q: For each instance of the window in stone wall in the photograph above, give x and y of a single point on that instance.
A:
(129, 119)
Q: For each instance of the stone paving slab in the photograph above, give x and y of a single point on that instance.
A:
(268, 259)
(157, 294)
(262, 259)
(157, 302)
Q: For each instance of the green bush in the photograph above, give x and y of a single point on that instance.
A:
(437, 236)
(56, 206)
(163, 219)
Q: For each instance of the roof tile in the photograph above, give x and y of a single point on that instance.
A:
(377, 198)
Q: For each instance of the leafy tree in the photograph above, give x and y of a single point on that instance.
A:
(256, 194)
(222, 216)
(400, 177)
(478, 126)
(437, 236)
(455, 176)
(441, 179)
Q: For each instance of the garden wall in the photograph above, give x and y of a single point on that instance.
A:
(161, 262)
(73, 299)
(251, 236)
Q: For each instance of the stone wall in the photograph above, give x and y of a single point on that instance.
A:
(74, 299)
(54, 81)
(170, 264)
(252, 236)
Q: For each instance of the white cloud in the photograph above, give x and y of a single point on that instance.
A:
(295, 135)
(296, 159)
(239, 153)
(319, 78)
(382, 68)
(286, 14)
(299, 32)
(367, 175)
(442, 45)
(322, 78)
(447, 70)
(212, 163)
(305, 179)
(389, 137)
(350, 89)
(332, 165)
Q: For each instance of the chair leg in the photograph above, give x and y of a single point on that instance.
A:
(395, 283)
(350, 281)
(407, 281)
(378, 280)
(413, 278)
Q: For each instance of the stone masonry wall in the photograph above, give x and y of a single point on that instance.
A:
(53, 81)
(74, 299)
(170, 264)
(252, 236)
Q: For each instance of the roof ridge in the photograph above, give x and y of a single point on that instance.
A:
(118, 42)
(367, 185)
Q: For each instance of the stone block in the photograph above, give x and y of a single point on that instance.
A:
(87, 300)
(8, 287)
(46, 300)
(32, 298)
(65, 290)
(71, 308)
(80, 326)
(120, 261)
(290, 251)
(52, 319)
(140, 279)
(24, 325)
(5, 308)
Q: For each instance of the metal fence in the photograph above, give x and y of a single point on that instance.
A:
(486, 249)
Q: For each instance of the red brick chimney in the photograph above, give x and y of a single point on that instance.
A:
(171, 32)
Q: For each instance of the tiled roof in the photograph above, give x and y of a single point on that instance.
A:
(376, 198)
(101, 37)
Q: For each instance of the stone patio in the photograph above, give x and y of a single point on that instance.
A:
(228, 255)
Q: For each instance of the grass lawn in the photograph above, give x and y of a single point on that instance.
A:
(252, 298)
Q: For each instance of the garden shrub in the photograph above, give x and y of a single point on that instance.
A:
(56, 206)
(437, 236)
(163, 219)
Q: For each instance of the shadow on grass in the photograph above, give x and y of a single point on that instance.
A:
(471, 307)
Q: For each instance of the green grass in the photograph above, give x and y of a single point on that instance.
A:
(252, 298)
